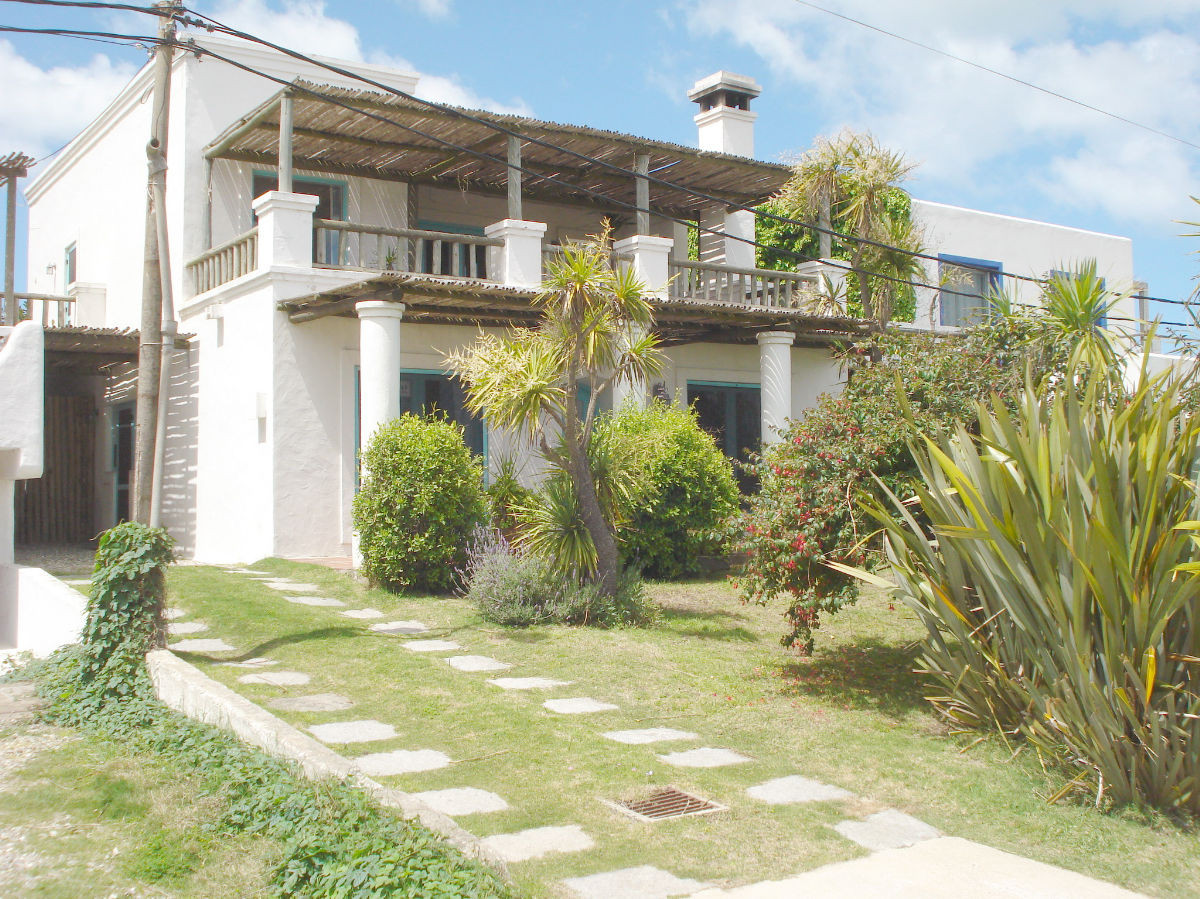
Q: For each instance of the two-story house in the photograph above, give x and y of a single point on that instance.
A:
(333, 242)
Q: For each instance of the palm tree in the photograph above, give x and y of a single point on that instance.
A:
(596, 333)
(847, 183)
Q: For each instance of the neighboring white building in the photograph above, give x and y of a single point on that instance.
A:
(314, 315)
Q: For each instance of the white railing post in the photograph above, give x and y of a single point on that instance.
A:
(519, 262)
(285, 229)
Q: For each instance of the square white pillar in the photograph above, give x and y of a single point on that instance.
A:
(775, 362)
(285, 229)
(739, 224)
(651, 260)
(518, 263)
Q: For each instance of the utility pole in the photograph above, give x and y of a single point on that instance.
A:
(12, 167)
(150, 344)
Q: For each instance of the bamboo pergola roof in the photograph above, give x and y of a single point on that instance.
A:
(429, 299)
(15, 165)
(331, 139)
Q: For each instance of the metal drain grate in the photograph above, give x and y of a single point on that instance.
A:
(666, 803)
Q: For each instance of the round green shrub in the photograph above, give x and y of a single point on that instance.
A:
(685, 490)
(421, 497)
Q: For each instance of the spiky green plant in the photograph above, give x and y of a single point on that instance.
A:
(1051, 560)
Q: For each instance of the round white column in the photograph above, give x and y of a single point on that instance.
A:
(775, 362)
(378, 365)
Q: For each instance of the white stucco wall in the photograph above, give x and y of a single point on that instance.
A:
(1021, 246)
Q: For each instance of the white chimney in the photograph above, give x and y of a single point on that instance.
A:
(725, 122)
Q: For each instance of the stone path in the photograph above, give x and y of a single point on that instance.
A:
(402, 761)
(462, 801)
(362, 613)
(704, 757)
(527, 683)
(642, 882)
(399, 627)
(794, 788)
(203, 645)
(186, 627)
(888, 829)
(431, 645)
(580, 705)
(649, 735)
(538, 841)
(317, 702)
(276, 678)
(476, 663)
(365, 731)
(315, 601)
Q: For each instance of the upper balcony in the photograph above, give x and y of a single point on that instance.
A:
(418, 158)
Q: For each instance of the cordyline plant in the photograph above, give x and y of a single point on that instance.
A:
(1051, 558)
(596, 333)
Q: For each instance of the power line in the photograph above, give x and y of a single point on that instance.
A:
(998, 73)
(81, 4)
(193, 47)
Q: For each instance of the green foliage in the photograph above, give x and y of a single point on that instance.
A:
(1060, 588)
(518, 588)
(124, 611)
(504, 495)
(336, 840)
(806, 513)
(420, 498)
(682, 494)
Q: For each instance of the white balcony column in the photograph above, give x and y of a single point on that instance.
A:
(739, 253)
(378, 365)
(775, 362)
(285, 229)
(519, 262)
(650, 257)
(833, 269)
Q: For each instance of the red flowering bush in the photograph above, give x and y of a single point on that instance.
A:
(807, 510)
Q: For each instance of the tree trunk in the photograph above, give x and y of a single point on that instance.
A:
(608, 563)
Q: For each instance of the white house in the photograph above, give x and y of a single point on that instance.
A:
(311, 315)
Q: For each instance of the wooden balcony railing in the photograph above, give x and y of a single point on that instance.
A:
(728, 284)
(224, 263)
(345, 245)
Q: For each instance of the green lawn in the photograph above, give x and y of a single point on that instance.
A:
(86, 818)
(851, 716)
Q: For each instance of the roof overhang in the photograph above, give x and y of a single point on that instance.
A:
(433, 300)
(330, 138)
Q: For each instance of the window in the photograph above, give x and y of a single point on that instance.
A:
(435, 392)
(70, 275)
(966, 286)
(331, 204)
(732, 413)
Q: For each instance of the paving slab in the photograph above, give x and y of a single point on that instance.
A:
(704, 757)
(250, 571)
(173, 612)
(18, 702)
(365, 731)
(577, 705)
(431, 645)
(401, 761)
(462, 801)
(362, 613)
(888, 829)
(202, 645)
(650, 735)
(642, 882)
(941, 868)
(315, 601)
(527, 683)
(186, 627)
(290, 587)
(317, 702)
(538, 841)
(476, 663)
(399, 627)
(794, 788)
(276, 678)
(258, 662)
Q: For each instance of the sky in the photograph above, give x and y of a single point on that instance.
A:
(979, 140)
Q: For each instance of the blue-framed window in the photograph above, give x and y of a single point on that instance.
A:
(332, 202)
(732, 414)
(967, 284)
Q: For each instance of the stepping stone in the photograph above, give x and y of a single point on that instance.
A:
(317, 702)
(201, 646)
(538, 841)
(366, 731)
(462, 801)
(650, 735)
(706, 757)
(186, 627)
(579, 705)
(173, 612)
(314, 601)
(794, 788)
(401, 761)
(362, 613)
(643, 882)
(888, 829)
(251, 663)
(399, 627)
(527, 683)
(476, 663)
(250, 571)
(289, 587)
(431, 645)
(77, 581)
(276, 679)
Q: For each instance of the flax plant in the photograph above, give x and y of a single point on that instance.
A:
(1052, 560)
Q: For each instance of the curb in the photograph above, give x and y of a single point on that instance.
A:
(188, 690)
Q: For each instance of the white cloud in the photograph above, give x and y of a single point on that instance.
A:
(972, 130)
(42, 108)
(435, 9)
